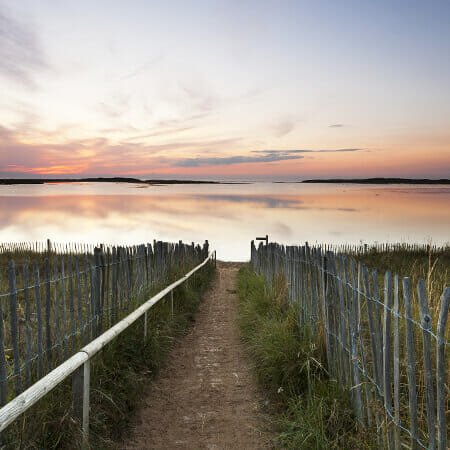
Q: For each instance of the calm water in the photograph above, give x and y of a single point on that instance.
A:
(229, 216)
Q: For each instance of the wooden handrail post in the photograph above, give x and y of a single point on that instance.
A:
(86, 389)
(80, 399)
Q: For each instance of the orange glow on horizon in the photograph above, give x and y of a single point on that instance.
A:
(59, 170)
(364, 163)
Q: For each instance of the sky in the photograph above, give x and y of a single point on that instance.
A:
(284, 90)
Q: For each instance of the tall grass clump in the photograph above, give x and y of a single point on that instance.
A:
(310, 410)
(430, 264)
(119, 375)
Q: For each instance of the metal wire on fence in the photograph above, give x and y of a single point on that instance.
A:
(363, 335)
(68, 295)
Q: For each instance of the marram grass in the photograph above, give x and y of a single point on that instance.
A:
(311, 410)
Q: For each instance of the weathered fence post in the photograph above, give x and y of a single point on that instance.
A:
(353, 321)
(14, 327)
(37, 292)
(396, 364)
(86, 402)
(387, 357)
(3, 381)
(27, 324)
(441, 369)
(48, 331)
(411, 365)
(426, 326)
(80, 399)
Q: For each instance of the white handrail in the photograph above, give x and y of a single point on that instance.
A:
(28, 398)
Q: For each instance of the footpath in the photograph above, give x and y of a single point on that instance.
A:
(205, 397)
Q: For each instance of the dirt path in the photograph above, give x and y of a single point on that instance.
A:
(205, 398)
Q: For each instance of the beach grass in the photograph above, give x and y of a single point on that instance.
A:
(308, 409)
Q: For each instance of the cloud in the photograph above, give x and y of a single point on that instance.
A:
(199, 98)
(264, 156)
(336, 125)
(100, 155)
(287, 152)
(150, 64)
(283, 127)
(20, 51)
(230, 160)
(94, 156)
(116, 107)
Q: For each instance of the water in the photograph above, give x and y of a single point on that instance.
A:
(229, 216)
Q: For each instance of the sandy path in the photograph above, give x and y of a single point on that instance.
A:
(205, 398)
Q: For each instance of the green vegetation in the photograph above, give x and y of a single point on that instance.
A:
(119, 375)
(311, 410)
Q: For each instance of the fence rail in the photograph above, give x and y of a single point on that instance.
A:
(396, 382)
(59, 302)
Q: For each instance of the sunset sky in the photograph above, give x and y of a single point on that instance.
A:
(223, 89)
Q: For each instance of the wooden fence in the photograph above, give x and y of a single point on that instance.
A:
(42, 246)
(398, 382)
(69, 295)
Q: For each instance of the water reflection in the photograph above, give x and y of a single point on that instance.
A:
(229, 216)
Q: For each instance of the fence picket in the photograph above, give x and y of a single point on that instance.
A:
(353, 329)
(37, 293)
(71, 304)
(3, 373)
(58, 309)
(81, 327)
(362, 346)
(441, 370)
(86, 270)
(411, 365)
(27, 325)
(48, 330)
(396, 363)
(14, 327)
(387, 358)
(427, 325)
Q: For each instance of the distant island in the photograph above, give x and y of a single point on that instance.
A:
(156, 182)
(10, 181)
(380, 181)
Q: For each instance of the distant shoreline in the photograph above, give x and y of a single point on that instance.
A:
(11, 181)
(160, 182)
(380, 181)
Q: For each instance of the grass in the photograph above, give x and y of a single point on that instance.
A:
(310, 410)
(433, 266)
(430, 263)
(119, 375)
